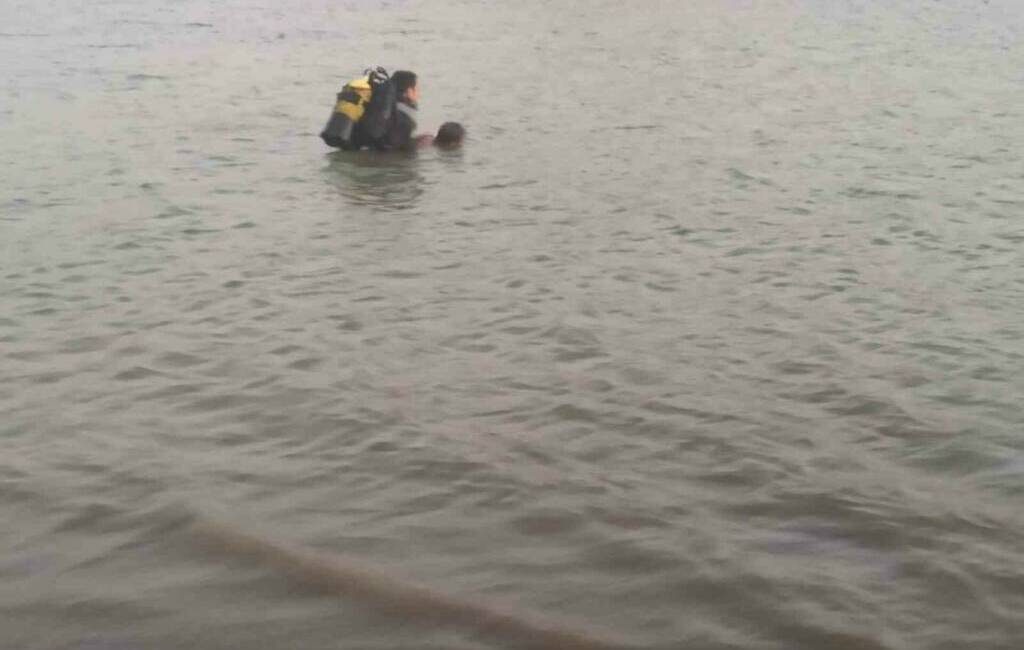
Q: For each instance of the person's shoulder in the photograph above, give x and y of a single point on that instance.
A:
(407, 109)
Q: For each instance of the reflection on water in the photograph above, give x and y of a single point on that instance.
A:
(385, 181)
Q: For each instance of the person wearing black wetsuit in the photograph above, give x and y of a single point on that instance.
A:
(401, 123)
(399, 136)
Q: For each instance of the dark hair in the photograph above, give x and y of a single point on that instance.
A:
(403, 80)
(450, 135)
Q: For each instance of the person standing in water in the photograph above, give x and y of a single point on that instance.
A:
(399, 135)
(402, 123)
(379, 113)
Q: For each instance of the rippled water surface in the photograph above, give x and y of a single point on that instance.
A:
(711, 336)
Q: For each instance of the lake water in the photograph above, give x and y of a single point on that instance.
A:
(711, 336)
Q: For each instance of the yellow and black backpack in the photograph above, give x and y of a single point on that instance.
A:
(367, 102)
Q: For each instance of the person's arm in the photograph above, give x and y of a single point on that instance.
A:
(404, 127)
(399, 136)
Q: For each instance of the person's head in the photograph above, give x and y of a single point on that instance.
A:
(405, 85)
(450, 135)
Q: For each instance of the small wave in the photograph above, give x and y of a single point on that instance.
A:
(637, 127)
(146, 77)
(136, 373)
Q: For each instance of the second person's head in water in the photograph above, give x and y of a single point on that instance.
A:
(450, 135)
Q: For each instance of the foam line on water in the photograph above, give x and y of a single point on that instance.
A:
(344, 578)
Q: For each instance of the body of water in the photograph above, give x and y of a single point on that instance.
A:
(710, 337)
